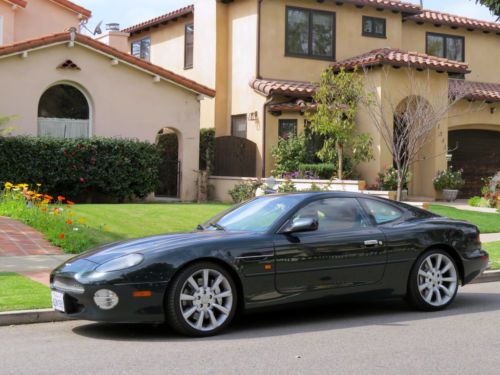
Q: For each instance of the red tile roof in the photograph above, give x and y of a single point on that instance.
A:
(269, 87)
(104, 48)
(74, 7)
(489, 92)
(397, 57)
(396, 5)
(439, 18)
(159, 20)
(20, 3)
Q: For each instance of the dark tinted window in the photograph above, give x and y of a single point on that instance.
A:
(287, 128)
(382, 212)
(374, 27)
(310, 33)
(335, 214)
(448, 46)
(239, 126)
(141, 48)
(188, 46)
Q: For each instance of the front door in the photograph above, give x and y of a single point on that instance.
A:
(346, 250)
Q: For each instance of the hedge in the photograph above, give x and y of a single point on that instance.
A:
(323, 171)
(104, 169)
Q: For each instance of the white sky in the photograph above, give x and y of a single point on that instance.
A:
(130, 12)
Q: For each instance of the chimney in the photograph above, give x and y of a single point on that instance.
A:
(115, 38)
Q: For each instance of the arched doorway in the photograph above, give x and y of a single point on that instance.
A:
(477, 153)
(64, 112)
(167, 142)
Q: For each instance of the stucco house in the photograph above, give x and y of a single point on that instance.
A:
(106, 91)
(263, 58)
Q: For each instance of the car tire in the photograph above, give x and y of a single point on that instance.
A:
(193, 303)
(433, 281)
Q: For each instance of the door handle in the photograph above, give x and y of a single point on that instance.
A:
(373, 242)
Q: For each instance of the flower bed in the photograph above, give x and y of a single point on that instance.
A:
(53, 217)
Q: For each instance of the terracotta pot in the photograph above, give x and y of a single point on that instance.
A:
(450, 195)
(393, 195)
(361, 185)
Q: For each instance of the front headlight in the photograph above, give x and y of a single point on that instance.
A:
(121, 263)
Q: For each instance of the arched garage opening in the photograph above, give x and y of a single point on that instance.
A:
(168, 142)
(478, 154)
(64, 112)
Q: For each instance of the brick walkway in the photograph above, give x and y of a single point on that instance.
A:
(18, 239)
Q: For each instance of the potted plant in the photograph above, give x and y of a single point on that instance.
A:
(388, 180)
(449, 182)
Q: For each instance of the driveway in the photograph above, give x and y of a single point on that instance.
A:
(364, 338)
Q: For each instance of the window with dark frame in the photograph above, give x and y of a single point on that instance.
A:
(451, 47)
(374, 27)
(239, 126)
(287, 127)
(188, 45)
(141, 48)
(310, 33)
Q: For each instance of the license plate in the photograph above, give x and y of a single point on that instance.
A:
(58, 301)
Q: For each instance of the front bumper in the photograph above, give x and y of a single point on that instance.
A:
(130, 308)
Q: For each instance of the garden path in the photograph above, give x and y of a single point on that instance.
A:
(24, 250)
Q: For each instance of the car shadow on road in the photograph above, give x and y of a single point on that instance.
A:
(287, 321)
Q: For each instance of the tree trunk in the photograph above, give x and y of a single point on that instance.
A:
(400, 186)
(340, 155)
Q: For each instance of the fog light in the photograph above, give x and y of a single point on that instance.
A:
(106, 299)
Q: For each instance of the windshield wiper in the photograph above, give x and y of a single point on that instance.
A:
(200, 227)
(216, 226)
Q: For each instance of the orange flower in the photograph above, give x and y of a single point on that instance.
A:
(70, 202)
(48, 197)
(61, 236)
(60, 198)
(69, 221)
(43, 209)
(56, 209)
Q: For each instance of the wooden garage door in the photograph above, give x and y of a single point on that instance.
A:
(478, 154)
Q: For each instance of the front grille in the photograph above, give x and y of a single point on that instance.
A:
(68, 285)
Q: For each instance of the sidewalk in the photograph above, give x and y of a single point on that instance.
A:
(24, 250)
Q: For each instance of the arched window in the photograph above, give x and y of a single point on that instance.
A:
(63, 112)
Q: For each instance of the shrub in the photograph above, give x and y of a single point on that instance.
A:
(287, 187)
(448, 179)
(244, 191)
(114, 169)
(388, 179)
(324, 171)
(207, 149)
(474, 201)
(288, 154)
(491, 191)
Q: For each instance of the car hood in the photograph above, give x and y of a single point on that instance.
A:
(153, 244)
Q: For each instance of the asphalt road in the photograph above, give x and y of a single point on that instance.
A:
(367, 338)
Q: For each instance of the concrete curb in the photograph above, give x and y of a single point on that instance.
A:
(487, 277)
(31, 316)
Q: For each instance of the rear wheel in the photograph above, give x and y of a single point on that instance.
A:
(433, 282)
(201, 300)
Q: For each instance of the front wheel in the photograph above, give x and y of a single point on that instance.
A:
(201, 300)
(433, 281)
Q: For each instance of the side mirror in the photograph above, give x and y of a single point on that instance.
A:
(306, 224)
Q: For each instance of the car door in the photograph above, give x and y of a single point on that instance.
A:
(346, 250)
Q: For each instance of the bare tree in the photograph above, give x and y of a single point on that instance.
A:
(414, 119)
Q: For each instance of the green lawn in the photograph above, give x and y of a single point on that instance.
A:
(117, 221)
(493, 248)
(20, 293)
(487, 223)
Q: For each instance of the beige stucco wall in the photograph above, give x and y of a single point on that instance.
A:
(7, 14)
(125, 102)
(42, 17)
(475, 115)
(482, 51)
(349, 41)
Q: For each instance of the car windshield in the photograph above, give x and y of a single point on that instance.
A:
(257, 215)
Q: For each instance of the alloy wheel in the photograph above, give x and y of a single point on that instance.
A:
(206, 299)
(437, 279)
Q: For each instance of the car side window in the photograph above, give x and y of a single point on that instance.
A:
(382, 212)
(335, 214)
